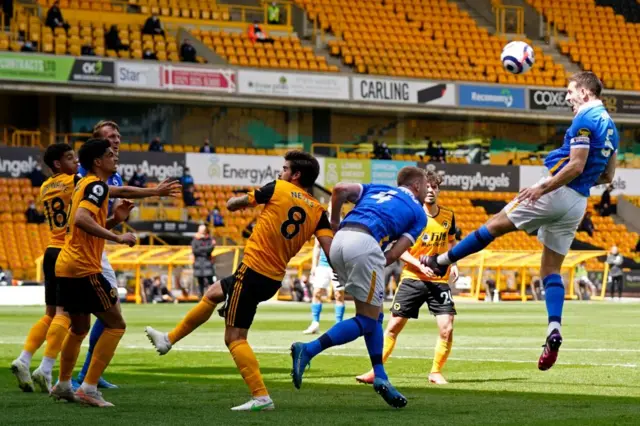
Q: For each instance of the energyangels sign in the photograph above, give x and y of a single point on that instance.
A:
(245, 170)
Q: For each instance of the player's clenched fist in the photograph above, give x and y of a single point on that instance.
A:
(128, 239)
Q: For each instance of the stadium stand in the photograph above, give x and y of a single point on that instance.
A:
(589, 45)
(422, 39)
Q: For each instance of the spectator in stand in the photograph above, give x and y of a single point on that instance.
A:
(186, 180)
(54, 18)
(189, 197)
(615, 260)
(28, 47)
(139, 179)
(33, 215)
(376, 150)
(440, 153)
(204, 269)
(112, 40)
(187, 51)
(604, 207)
(36, 176)
(584, 287)
(149, 55)
(385, 152)
(87, 50)
(153, 26)
(587, 225)
(431, 151)
(156, 145)
(257, 34)
(207, 148)
(160, 293)
(273, 13)
(215, 218)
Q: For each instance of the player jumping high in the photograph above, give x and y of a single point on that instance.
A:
(556, 204)
(382, 214)
(418, 286)
(55, 195)
(289, 219)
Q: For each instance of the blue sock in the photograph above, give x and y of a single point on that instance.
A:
(554, 297)
(341, 333)
(316, 309)
(96, 332)
(375, 343)
(472, 243)
(339, 313)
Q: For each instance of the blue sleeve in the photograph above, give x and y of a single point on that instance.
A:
(419, 223)
(580, 133)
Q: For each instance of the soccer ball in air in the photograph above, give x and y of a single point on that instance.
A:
(517, 57)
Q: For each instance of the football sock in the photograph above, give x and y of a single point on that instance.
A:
(341, 333)
(55, 338)
(69, 354)
(194, 319)
(389, 344)
(248, 366)
(339, 311)
(443, 349)
(472, 243)
(102, 354)
(554, 299)
(96, 332)
(35, 338)
(316, 310)
(374, 341)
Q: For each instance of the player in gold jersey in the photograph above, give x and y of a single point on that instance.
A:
(82, 289)
(55, 195)
(418, 285)
(291, 216)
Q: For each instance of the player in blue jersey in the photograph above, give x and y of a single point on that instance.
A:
(110, 131)
(556, 204)
(382, 214)
(322, 277)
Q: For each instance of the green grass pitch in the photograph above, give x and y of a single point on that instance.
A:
(492, 370)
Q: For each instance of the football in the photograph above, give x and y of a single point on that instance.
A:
(517, 57)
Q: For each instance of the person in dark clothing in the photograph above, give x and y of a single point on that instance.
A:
(156, 145)
(152, 26)
(189, 197)
(440, 153)
(7, 9)
(587, 225)
(204, 269)
(207, 148)
(159, 292)
(36, 176)
(187, 52)
(28, 47)
(33, 215)
(604, 207)
(54, 18)
(615, 261)
(112, 40)
(215, 218)
(385, 153)
(139, 179)
(148, 54)
(377, 150)
(186, 180)
(87, 50)
(431, 150)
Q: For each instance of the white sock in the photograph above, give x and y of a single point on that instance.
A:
(552, 326)
(88, 388)
(65, 384)
(25, 358)
(46, 365)
(443, 259)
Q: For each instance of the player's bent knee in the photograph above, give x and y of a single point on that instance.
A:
(233, 334)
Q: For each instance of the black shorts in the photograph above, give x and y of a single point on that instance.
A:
(86, 295)
(49, 269)
(412, 294)
(243, 291)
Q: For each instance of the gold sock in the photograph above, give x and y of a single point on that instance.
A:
(194, 319)
(37, 334)
(443, 349)
(69, 354)
(248, 365)
(389, 344)
(55, 336)
(102, 354)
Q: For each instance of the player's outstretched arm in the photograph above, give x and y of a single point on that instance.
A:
(238, 203)
(610, 171)
(166, 188)
(84, 220)
(343, 192)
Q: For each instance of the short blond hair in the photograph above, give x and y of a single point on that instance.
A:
(103, 123)
(408, 175)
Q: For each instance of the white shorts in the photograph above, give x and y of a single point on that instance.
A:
(556, 216)
(359, 263)
(323, 278)
(108, 272)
